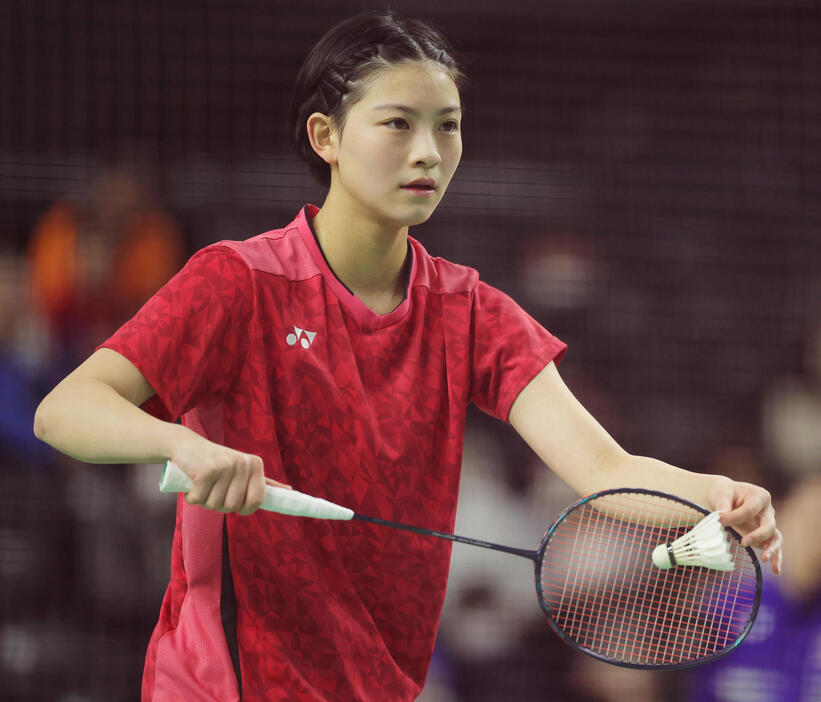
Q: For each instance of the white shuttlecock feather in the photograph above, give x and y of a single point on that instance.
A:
(704, 545)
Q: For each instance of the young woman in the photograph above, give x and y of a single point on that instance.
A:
(336, 356)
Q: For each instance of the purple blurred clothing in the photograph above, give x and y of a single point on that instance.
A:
(779, 661)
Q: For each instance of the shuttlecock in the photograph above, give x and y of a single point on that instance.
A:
(704, 545)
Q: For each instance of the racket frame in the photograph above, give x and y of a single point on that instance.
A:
(540, 552)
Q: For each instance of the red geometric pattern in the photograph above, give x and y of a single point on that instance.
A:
(257, 345)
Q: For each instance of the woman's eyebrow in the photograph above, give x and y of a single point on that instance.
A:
(413, 111)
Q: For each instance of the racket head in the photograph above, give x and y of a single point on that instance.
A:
(603, 596)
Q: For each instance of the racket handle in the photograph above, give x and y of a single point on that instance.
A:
(281, 500)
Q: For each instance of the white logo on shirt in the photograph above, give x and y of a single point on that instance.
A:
(304, 337)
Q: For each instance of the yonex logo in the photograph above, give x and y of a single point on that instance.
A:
(304, 337)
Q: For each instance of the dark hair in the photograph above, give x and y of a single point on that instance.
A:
(332, 78)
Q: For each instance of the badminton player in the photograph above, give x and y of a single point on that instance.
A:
(334, 355)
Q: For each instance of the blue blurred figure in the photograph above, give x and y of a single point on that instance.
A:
(780, 661)
(19, 366)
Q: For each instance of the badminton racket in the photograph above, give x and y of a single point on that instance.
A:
(595, 577)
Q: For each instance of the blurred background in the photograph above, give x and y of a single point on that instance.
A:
(643, 177)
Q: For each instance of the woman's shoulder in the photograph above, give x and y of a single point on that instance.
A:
(441, 275)
(278, 251)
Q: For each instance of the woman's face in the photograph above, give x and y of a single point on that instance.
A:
(400, 144)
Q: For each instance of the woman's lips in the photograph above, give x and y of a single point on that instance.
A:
(419, 190)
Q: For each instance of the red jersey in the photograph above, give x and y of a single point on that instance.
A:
(258, 346)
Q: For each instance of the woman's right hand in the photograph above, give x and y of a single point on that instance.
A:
(224, 480)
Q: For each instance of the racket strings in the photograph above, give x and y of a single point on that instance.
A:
(600, 588)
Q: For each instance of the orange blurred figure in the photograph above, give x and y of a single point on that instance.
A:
(93, 265)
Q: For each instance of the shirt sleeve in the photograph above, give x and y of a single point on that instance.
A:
(191, 338)
(509, 348)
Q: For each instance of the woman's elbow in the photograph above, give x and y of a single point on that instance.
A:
(39, 423)
(41, 420)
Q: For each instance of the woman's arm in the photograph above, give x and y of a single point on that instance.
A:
(93, 415)
(569, 440)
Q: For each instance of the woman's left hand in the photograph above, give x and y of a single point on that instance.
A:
(749, 510)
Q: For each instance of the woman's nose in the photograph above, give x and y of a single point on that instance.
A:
(425, 151)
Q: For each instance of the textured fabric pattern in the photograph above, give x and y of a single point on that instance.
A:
(256, 344)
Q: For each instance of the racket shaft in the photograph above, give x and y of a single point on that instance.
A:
(298, 504)
(532, 555)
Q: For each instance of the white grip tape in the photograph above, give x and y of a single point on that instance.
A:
(281, 500)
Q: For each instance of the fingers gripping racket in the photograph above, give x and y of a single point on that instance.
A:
(595, 576)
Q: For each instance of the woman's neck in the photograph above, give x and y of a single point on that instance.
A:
(367, 257)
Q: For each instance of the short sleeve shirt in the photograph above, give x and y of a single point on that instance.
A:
(257, 345)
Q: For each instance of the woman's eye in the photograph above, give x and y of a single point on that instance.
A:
(397, 123)
(451, 126)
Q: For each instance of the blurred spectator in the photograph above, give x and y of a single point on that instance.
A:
(90, 265)
(601, 682)
(792, 414)
(561, 273)
(494, 643)
(490, 596)
(780, 660)
(439, 685)
(93, 264)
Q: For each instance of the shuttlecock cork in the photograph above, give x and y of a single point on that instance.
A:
(704, 545)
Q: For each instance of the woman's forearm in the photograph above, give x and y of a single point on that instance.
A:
(87, 419)
(652, 474)
(570, 440)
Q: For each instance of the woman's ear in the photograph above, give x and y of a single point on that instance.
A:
(323, 138)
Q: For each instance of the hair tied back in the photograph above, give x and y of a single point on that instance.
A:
(334, 74)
